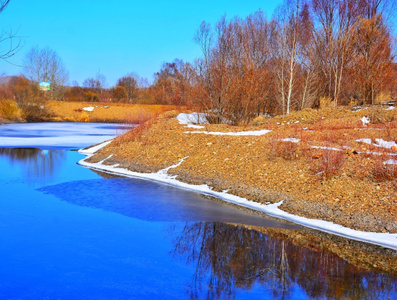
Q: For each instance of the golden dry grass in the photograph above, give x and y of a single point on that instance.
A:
(105, 112)
(9, 110)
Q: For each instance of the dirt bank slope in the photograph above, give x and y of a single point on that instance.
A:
(266, 169)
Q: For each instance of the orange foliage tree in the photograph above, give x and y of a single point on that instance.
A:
(373, 64)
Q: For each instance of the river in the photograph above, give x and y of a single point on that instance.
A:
(67, 232)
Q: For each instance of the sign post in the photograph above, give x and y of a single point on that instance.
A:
(44, 86)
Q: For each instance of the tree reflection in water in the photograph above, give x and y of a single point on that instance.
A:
(229, 258)
(37, 163)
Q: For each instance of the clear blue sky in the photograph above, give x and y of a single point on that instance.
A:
(116, 37)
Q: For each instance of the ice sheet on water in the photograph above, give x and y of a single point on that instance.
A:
(68, 135)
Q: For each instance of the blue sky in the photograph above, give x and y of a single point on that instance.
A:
(116, 37)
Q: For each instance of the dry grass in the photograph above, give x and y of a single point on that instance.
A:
(106, 112)
(338, 128)
(383, 172)
(9, 110)
(142, 126)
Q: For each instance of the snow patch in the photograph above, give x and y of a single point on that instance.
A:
(89, 108)
(240, 133)
(391, 162)
(390, 108)
(366, 141)
(293, 140)
(191, 119)
(365, 120)
(326, 148)
(385, 144)
(379, 143)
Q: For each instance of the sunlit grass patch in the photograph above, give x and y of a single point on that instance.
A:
(108, 112)
(9, 110)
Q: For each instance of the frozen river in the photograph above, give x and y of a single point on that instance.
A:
(67, 232)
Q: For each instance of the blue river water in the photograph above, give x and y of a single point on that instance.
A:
(67, 232)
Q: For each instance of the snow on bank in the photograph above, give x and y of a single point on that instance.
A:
(200, 118)
(89, 108)
(326, 148)
(383, 239)
(390, 162)
(292, 140)
(379, 143)
(365, 120)
(240, 133)
(94, 149)
(191, 119)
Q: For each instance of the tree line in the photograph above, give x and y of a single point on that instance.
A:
(342, 50)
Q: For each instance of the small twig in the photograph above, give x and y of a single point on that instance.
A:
(260, 273)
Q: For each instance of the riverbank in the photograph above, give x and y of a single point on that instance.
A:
(302, 169)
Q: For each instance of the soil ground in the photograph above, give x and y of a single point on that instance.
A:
(352, 187)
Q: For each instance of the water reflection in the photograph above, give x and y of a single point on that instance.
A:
(36, 163)
(229, 258)
(149, 201)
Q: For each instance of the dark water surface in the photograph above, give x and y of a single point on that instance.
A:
(67, 232)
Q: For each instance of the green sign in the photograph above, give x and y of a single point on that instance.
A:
(44, 86)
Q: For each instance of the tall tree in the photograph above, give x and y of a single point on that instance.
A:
(45, 65)
(293, 35)
(130, 84)
(373, 58)
(96, 86)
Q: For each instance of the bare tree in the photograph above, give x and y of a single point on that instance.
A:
(288, 49)
(339, 49)
(92, 83)
(8, 37)
(130, 83)
(3, 4)
(96, 86)
(102, 80)
(336, 42)
(46, 65)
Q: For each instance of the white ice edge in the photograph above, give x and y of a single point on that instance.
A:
(94, 149)
(382, 239)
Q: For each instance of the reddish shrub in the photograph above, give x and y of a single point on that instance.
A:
(328, 163)
(381, 171)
